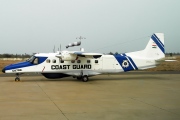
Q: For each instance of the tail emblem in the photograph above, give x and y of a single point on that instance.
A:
(125, 64)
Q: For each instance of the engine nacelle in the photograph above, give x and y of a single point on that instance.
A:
(67, 57)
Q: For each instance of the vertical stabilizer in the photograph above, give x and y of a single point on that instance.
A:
(155, 48)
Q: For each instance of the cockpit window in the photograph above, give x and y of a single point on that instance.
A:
(31, 59)
(35, 61)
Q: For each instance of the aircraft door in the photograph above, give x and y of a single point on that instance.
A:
(97, 64)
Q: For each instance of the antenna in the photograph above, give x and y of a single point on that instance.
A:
(54, 49)
(80, 38)
(59, 51)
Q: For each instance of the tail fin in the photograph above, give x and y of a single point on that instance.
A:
(155, 48)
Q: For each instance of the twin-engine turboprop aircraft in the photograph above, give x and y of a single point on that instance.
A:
(82, 65)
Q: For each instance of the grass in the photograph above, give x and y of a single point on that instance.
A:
(164, 66)
(168, 66)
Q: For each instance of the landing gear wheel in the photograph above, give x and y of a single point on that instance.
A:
(85, 78)
(17, 79)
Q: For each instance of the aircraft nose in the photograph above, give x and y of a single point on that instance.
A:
(3, 70)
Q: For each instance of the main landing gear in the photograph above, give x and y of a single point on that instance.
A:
(83, 78)
(17, 77)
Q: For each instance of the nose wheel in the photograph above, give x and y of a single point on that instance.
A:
(17, 77)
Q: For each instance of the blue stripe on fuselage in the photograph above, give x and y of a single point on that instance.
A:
(18, 65)
(24, 64)
(121, 59)
(124, 54)
(41, 59)
(133, 62)
(130, 59)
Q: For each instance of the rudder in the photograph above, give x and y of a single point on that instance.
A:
(155, 48)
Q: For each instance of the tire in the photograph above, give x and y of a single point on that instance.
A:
(85, 78)
(17, 79)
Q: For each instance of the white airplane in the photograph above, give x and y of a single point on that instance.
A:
(82, 65)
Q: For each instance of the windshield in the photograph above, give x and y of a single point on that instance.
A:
(31, 59)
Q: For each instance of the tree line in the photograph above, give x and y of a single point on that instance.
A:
(6, 55)
(170, 53)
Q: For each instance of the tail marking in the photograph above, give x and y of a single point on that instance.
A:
(158, 42)
(126, 62)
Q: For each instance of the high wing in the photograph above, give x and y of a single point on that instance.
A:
(84, 53)
(72, 55)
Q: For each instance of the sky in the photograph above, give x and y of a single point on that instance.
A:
(36, 26)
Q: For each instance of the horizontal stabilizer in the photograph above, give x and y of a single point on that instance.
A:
(170, 60)
(167, 59)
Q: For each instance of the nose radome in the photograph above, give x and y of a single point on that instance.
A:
(3, 70)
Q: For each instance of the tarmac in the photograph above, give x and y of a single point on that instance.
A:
(127, 96)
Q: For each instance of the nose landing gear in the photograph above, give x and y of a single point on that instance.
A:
(17, 77)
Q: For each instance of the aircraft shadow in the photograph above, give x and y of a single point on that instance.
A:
(91, 79)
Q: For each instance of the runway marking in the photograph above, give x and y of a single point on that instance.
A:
(52, 101)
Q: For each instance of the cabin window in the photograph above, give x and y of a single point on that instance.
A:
(48, 61)
(78, 61)
(96, 61)
(72, 61)
(62, 61)
(54, 61)
(88, 61)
